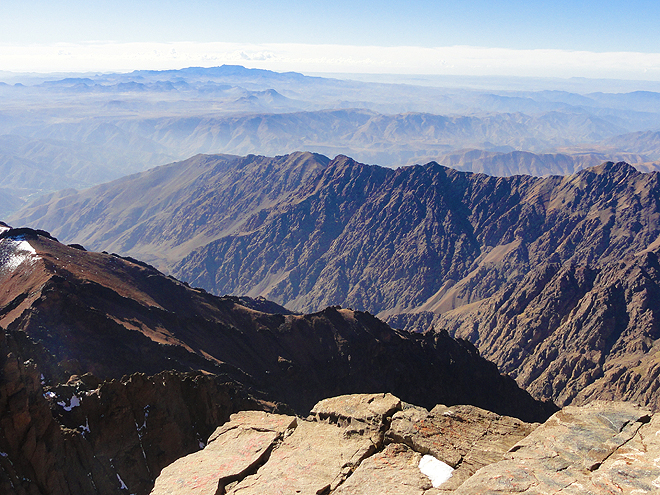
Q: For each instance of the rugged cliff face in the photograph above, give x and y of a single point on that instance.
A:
(574, 333)
(97, 437)
(426, 237)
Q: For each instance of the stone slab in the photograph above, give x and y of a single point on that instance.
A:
(394, 471)
(579, 450)
(315, 459)
(366, 408)
(234, 449)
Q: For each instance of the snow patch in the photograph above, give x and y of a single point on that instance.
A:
(4, 454)
(50, 395)
(437, 471)
(85, 427)
(121, 481)
(43, 379)
(15, 252)
(74, 402)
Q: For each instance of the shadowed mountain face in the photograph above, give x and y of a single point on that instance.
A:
(419, 245)
(110, 316)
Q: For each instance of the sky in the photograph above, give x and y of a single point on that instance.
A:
(528, 38)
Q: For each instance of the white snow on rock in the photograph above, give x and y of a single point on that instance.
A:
(74, 402)
(121, 482)
(437, 471)
(15, 252)
(85, 427)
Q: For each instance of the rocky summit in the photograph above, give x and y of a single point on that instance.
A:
(367, 444)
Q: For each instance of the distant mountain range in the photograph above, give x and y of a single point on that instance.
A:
(418, 246)
(80, 131)
(503, 164)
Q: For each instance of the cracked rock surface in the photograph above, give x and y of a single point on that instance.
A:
(601, 448)
(465, 437)
(372, 444)
(233, 450)
(349, 445)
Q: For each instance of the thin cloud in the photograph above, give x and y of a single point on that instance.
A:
(463, 60)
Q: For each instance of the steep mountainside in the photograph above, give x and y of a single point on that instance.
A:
(426, 237)
(164, 213)
(414, 243)
(574, 333)
(110, 316)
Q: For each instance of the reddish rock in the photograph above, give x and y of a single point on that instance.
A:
(394, 471)
(234, 450)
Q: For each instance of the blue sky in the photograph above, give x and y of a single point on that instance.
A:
(584, 26)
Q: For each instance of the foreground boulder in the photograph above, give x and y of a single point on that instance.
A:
(234, 450)
(350, 445)
(374, 444)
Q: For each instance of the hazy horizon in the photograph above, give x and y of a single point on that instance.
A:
(529, 39)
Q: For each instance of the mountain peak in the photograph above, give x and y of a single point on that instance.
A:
(613, 168)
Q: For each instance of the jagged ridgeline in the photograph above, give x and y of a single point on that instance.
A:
(554, 278)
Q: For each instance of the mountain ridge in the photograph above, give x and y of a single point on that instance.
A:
(420, 246)
(110, 316)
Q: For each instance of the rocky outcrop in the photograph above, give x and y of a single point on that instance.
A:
(234, 450)
(349, 444)
(375, 444)
(464, 437)
(100, 437)
(601, 448)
